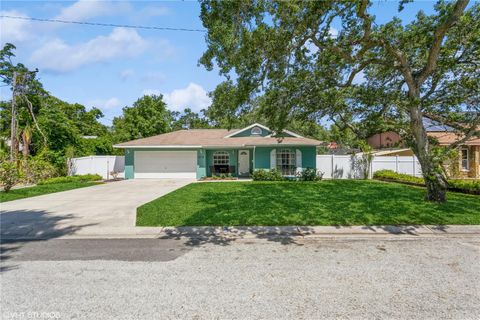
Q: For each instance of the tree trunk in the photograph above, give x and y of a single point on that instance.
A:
(13, 124)
(432, 172)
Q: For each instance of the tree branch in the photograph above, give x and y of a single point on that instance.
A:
(438, 37)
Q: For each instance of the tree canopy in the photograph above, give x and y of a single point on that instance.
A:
(384, 75)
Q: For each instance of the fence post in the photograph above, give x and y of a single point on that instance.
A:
(331, 171)
(370, 172)
(414, 171)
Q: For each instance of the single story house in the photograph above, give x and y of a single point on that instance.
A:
(466, 166)
(199, 153)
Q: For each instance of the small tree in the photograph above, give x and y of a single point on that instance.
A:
(9, 175)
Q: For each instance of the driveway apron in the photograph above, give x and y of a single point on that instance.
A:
(108, 208)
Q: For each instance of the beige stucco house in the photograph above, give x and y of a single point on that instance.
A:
(467, 165)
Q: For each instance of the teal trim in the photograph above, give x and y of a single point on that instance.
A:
(129, 156)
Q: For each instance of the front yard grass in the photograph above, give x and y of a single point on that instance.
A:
(329, 202)
(38, 190)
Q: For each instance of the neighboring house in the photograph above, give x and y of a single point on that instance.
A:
(382, 140)
(468, 164)
(199, 153)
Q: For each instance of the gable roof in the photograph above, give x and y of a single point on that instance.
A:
(447, 138)
(256, 124)
(200, 138)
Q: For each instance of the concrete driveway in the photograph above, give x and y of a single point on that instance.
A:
(107, 209)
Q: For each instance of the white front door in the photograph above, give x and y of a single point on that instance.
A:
(243, 162)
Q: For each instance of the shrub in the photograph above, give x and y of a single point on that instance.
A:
(465, 186)
(264, 175)
(470, 185)
(9, 175)
(35, 170)
(391, 175)
(77, 178)
(310, 174)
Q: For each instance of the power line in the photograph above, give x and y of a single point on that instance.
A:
(103, 24)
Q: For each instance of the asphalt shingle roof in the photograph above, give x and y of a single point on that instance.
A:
(211, 138)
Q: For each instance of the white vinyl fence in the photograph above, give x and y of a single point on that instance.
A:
(349, 167)
(101, 165)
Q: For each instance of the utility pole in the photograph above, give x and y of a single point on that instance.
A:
(13, 126)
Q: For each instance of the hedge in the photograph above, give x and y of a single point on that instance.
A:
(464, 186)
(77, 178)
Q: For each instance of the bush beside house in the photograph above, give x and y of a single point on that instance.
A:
(464, 186)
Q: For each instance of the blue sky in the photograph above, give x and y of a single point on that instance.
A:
(109, 67)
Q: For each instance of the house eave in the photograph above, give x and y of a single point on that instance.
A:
(215, 146)
(158, 147)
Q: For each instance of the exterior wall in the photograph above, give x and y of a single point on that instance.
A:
(475, 162)
(262, 158)
(455, 168)
(384, 140)
(205, 159)
(129, 156)
(309, 157)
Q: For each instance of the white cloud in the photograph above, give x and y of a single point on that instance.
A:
(193, 97)
(102, 104)
(58, 56)
(14, 30)
(86, 9)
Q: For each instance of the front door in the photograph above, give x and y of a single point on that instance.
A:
(244, 162)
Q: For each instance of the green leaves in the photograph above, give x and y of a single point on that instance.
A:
(147, 117)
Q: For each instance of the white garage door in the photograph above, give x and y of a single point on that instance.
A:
(165, 164)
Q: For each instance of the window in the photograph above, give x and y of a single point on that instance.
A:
(256, 131)
(286, 162)
(221, 158)
(465, 162)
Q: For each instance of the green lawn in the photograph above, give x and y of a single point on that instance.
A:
(28, 192)
(337, 202)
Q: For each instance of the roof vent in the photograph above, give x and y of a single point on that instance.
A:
(256, 131)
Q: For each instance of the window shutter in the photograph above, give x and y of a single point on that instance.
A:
(298, 159)
(273, 159)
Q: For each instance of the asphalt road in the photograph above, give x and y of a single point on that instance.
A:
(429, 278)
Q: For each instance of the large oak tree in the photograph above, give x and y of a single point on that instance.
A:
(288, 55)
